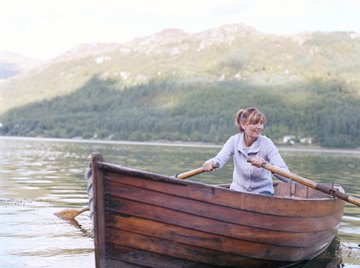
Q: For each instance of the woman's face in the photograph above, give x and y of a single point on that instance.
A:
(253, 130)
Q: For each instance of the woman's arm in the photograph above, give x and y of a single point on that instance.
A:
(223, 155)
(274, 158)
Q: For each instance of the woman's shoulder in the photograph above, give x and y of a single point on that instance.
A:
(265, 140)
(234, 139)
(237, 135)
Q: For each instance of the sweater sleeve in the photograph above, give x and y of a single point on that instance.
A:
(275, 159)
(225, 153)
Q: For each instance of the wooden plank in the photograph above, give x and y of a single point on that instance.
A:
(142, 258)
(226, 214)
(99, 212)
(112, 262)
(237, 200)
(178, 251)
(206, 240)
(123, 206)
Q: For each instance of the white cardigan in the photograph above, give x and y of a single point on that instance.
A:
(246, 177)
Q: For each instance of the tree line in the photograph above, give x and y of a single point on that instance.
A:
(194, 111)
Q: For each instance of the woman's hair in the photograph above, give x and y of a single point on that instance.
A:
(249, 115)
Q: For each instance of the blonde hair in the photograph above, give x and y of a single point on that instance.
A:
(249, 115)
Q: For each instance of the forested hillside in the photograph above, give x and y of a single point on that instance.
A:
(187, 87)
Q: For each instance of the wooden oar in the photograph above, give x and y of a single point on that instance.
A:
(69, 214)
(193, 172)
(311, 184)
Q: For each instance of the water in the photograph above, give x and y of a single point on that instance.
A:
(41, 177)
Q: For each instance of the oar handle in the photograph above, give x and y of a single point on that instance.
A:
(310, 183)
(194, 172)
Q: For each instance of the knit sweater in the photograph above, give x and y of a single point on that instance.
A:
(246, 177)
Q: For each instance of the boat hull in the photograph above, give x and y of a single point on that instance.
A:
(146, 219)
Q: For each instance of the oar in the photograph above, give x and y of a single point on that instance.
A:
(311, 184)
(193, 172)
(69, 214)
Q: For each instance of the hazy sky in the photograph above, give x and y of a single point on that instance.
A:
(45, 28)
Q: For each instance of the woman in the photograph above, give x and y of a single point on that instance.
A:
(249, 143)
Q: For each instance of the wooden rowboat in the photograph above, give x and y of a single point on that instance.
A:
(151, 220)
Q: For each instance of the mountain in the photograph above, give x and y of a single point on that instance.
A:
(230, 52)
(302, 81)
(12, 64)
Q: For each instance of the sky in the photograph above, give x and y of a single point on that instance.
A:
(45, 29)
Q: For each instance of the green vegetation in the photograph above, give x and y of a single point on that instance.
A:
(189, 88)
(174, 110)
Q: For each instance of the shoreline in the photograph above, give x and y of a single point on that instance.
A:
(285, 148)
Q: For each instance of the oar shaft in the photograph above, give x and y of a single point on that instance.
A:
(289, 175)
(311, 184)
(353, 200)
(190, 173)
(194, 172)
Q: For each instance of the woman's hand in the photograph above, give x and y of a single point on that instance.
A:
(209, 166)
(257, 161)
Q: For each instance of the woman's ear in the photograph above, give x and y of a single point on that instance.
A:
(243, 125)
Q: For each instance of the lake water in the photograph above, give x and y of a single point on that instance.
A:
(41, 177)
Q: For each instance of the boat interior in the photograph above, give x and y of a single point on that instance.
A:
(296, 190)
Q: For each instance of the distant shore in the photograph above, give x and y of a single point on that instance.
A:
(285, 148)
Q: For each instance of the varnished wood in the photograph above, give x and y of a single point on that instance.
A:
(211, 241)
(99, 211)
(194, 172)
(224, 213)
(312, 184)
(152, 220)
(320, 205)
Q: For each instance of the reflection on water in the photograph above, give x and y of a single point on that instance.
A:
(41, 177)
(32, 236)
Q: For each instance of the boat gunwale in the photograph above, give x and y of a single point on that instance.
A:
(173, 180)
